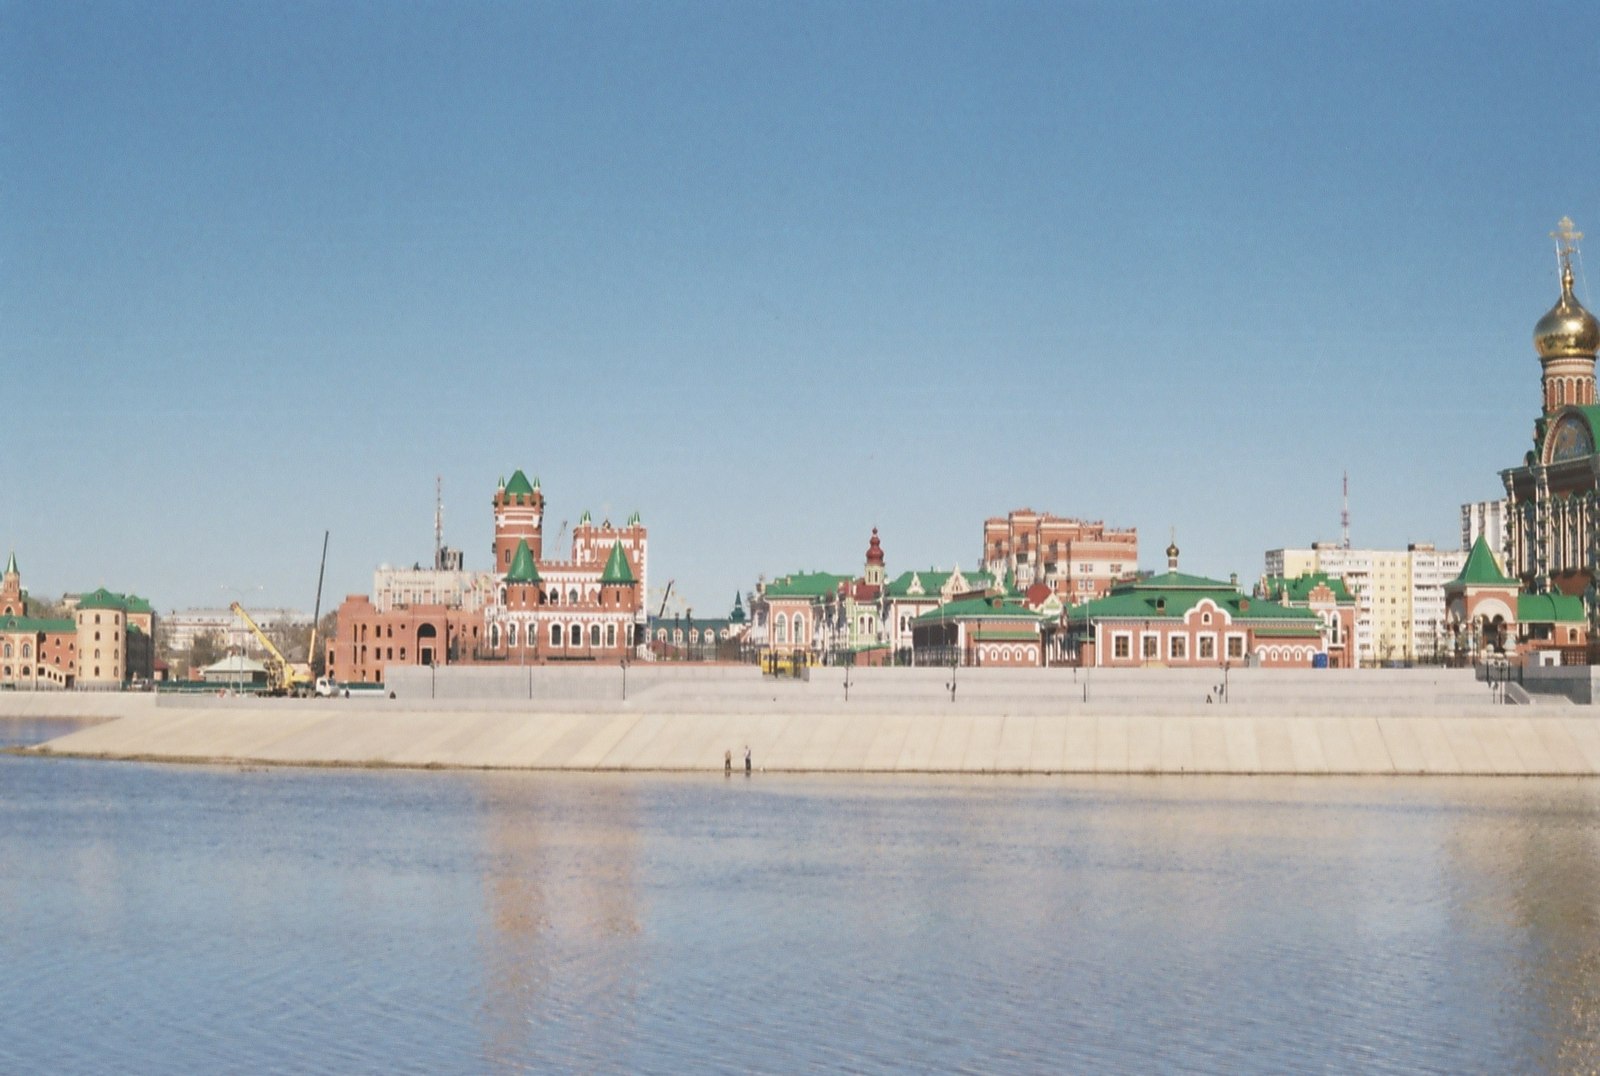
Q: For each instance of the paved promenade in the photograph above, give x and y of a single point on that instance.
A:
(1364, 723)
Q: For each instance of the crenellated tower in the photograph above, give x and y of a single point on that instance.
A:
(518, 517)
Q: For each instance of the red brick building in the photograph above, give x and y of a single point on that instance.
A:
(1077, 558)
(588, 607)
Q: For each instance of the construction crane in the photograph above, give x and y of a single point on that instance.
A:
(283, 676)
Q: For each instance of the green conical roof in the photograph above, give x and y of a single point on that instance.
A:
(737, 616)
(11, 564)
(617, 569)
(523, 570)
(585, 519)
(519, 485)
(1483, 568)
(633, 520)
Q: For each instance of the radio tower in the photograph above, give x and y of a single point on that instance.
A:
(1344, 514)
(438, 521)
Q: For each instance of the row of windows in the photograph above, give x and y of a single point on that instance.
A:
(27, 650)
(1177, 647)
(561, 636)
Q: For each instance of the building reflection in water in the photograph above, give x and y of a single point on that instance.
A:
(562, 923)
(1531, 862)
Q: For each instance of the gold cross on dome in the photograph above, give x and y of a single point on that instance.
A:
(1566, 235)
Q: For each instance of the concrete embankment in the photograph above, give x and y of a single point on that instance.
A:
(905, 721)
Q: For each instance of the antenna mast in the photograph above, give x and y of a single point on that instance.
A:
(1344, 514)
(438, 521)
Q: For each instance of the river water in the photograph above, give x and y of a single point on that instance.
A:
(163, 919)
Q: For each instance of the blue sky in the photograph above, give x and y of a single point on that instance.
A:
(771, 274)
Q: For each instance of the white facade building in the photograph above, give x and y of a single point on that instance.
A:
(180, 629)
(401, 587)
(1400, 608)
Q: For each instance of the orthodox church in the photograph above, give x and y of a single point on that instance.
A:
(1546, 596)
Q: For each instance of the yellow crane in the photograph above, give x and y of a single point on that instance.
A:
(283, 676)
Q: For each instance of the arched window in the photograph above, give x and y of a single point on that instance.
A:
(8, 650)
(575, 635)
(555, 634)
(511, 634)
(661, 635)
(502, 595)
(494, 636)
(555, 596)
(27, 650)
(572, 596)
(594, 634)
(780, 629)
(799, 628)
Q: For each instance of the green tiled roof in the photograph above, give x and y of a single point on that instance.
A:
(806, 585)
(1482, 568)
(1142, 601)
(933, 582)
(520, 486)
(35, 624)
(1299, 588)
(103, 599)
(523, 570)
(137, 604)
(1549, 609)
(979, 609)
(1002, 635)
(1172, 580)
(617, 570)
(1301, 631)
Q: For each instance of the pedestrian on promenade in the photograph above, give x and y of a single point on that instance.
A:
(747, 760)
(727, 762)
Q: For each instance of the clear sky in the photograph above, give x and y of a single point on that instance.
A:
(769, 273)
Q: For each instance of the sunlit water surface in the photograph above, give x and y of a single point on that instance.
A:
(211, 919)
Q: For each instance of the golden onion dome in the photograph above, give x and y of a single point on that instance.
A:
(1568, 329)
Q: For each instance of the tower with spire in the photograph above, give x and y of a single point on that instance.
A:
(873, 575)
(12, 602)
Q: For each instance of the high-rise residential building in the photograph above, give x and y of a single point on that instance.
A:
(1400, 607)
(1486, 519)
(1077, 558)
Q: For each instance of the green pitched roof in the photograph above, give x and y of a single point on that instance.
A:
(1144, 602)
(933, 582)
(1549, 609)
(980, 609)
(1300, 587)
(617, 569)
(523, 570)
(35, 624)
(805, 585)
(1482, 568)
(519, 485)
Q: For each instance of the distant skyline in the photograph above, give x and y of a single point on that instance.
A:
(771, 275)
